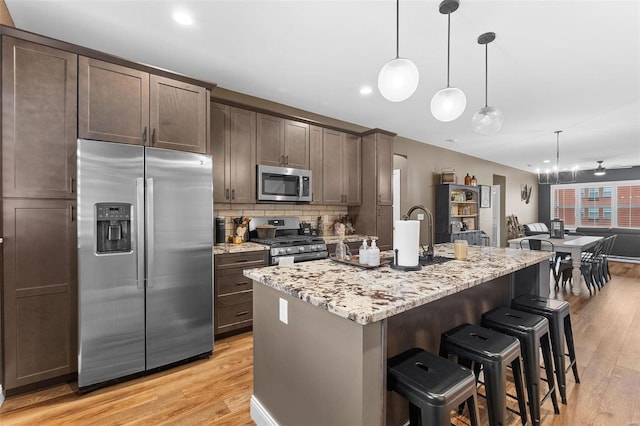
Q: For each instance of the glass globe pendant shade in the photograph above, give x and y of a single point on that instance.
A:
(398, 79)
(487, 120)
(448, 104)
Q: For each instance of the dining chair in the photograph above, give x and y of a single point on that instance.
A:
(555, 261)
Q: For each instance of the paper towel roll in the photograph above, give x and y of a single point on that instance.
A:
(406, 239)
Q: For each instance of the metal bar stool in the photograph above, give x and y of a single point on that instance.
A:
(558, 313)
(433, 386)
(533, 332)
(494, 352)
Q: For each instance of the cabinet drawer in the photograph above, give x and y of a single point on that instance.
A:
(250, 259)
(232, 281)
(234, 310)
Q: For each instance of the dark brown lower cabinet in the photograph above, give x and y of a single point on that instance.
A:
(233, 292)
(39, 297)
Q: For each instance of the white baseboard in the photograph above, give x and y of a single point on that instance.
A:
(260, 415)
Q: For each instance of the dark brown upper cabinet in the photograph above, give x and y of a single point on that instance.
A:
(341, 167)
(233, 147)
(282, 142)
(125, 105)
(39, 95)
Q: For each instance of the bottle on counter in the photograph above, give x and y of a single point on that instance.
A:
(373, 255)
(342, 250)
(474, 181)
(363, 253)
(467, 180)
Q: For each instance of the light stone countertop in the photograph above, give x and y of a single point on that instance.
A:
(369, 295)
(238, 248)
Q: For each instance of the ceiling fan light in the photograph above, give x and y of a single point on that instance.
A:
(448, 104)
(487, 120)
(398, 79)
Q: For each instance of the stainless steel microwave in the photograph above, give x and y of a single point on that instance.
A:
(283, 184)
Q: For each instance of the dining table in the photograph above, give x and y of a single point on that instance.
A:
(573, 244)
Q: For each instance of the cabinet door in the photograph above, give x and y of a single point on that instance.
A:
(113, 102)
(352, 170)
(40, 290)
(39, 124)
(220, 145)
(242, 156)
(385, 227)
(296, 143)
(178, 115)
(315, 163)
(384, 158)
(332, 168)
(270, 142)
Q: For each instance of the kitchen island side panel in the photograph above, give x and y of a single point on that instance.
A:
(318, 369)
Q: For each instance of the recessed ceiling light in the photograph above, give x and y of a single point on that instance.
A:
(183, 18)
(546, 161)
(366, 90)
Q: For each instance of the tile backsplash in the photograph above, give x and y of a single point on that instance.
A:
(305, 212)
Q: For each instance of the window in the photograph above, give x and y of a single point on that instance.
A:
(628, 202)
(616, 204)
(564, 206)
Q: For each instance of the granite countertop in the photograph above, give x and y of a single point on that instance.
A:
(369, 295)
(238, 248)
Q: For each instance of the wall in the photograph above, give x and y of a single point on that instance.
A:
(585, 176)
(5, 16)
(422, 165)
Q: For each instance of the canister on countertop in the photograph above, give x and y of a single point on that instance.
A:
(220, 230)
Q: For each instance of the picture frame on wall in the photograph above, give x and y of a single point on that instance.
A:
(485, 196)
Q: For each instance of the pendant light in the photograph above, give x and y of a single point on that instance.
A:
(487, 120)
(449, 103)
(600, 171)
(399, 77)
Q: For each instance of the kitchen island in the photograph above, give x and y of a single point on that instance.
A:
(323, 330)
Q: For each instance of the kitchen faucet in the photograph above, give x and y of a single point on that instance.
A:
(428, 253)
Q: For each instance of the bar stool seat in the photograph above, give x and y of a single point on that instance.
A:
(533, 332)
(494, 352)
(433, 386)
(559, 315)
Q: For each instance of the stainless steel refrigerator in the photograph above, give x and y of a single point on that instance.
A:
(145, 231)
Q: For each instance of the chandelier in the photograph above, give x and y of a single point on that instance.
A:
(555, 176)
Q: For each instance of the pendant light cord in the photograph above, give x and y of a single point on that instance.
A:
(486, 75)
(397, 29)
(448, 44)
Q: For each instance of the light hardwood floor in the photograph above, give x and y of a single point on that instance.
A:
(217, 391)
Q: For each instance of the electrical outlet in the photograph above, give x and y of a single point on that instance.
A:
(284, 311)
(420, 216)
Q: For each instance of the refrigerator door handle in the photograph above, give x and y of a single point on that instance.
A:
(150, 231)
(140, 233)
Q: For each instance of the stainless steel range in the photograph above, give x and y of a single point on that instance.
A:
(288, 243)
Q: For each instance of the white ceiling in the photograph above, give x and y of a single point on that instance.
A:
(555, 65)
